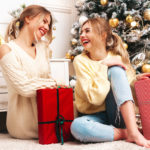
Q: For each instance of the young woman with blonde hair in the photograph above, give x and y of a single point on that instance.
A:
(103, 95)
(25, 66)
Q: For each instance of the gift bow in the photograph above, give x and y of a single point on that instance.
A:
(59, 124)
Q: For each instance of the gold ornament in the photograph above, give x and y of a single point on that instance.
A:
(113, 22)
(147, 14)
(129, 19)
(72, 57)
(74, 41)
(54, 28)
(134, 24)
(68, 56)
(103, 2)
(125, 45)
(146, 68)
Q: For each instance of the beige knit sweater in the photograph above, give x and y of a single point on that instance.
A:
(24, 75)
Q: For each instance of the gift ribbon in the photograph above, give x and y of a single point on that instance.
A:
(59, 122)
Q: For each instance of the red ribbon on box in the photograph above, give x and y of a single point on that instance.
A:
(53, 125)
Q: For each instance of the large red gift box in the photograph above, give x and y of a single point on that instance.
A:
(55, 114)
(142, 89)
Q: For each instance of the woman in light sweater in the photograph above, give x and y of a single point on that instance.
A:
(25, 66)
(102, 94)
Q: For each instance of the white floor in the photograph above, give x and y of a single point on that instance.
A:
(8, 143)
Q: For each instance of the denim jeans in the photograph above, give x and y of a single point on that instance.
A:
(99, 127)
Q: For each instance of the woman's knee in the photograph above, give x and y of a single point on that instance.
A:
(75, 124)
(78, 128)
(116, 71)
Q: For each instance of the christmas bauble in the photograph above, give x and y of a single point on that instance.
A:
(74, 41)
(147, 14)
(73, 82)
(72, 57)
(73, 31)
(125, 45)
(134, 24)
(103, 2)
(146, 68)
(68, 56)
(129, 19)
(113, 22)
(138, 59)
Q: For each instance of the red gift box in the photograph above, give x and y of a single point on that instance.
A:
(55, 114)
(142, 89)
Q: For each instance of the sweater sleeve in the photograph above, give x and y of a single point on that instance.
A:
(92, 81)
(18, 79)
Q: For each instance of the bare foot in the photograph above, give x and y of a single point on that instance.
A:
(139, 139)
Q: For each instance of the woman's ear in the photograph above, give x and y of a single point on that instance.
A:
(27, 19)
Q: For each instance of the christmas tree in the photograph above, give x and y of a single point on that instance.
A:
(130, 19)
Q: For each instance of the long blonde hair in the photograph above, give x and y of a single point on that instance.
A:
(30, 11)
(114, 43)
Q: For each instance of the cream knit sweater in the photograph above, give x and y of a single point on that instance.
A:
(24, 75)
(92, 84)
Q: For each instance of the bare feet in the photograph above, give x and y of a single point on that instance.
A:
(138, 138)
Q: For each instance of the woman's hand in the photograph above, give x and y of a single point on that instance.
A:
(114, 61)
(53, 87)
(62, 86)
(58, 86)
(143, 76)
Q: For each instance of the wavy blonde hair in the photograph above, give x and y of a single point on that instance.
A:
(30, 11)
(114, 43)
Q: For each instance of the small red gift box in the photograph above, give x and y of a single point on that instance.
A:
(55, 114)
(142, 89)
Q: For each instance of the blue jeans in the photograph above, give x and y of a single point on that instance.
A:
(99, 127)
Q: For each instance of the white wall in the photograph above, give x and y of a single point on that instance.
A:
(62, 10)
(6, 7)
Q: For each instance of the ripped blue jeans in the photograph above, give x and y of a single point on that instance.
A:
(99, 127)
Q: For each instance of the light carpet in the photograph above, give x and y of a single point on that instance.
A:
(8, 143)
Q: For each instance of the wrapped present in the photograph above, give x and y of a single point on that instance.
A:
(55, 114)
(142, 89)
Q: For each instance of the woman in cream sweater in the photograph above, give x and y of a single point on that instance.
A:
(102, 94)
(24, 63)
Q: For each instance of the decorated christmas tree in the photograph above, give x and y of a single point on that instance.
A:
(128, 18)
